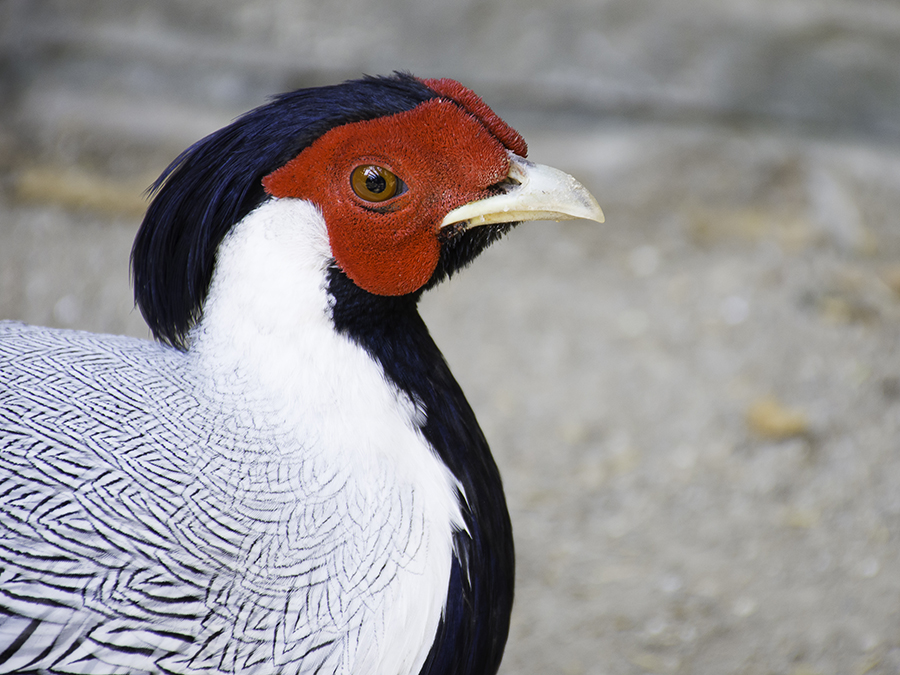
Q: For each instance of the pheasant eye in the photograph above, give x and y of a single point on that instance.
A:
(374, 183)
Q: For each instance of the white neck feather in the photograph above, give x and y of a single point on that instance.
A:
(267, 339)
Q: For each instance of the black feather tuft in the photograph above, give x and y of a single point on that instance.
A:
(459, 247)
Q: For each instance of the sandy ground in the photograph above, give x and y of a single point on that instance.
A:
(696, 406)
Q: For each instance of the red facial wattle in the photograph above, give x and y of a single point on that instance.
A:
(446, 151)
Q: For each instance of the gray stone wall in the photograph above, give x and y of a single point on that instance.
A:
(138, 68)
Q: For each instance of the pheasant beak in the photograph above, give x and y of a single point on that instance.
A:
(533, 192)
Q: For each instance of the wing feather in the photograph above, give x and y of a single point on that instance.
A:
(139, 536)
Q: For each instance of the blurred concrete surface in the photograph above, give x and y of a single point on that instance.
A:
(696, 406)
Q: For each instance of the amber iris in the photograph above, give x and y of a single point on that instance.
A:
(374, 183)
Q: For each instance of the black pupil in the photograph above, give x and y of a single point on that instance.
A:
(375, 182)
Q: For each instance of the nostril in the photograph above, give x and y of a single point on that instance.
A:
(506, 185)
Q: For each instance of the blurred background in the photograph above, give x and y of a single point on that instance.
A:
(696, 406)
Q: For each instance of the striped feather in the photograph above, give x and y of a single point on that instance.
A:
(148, 526)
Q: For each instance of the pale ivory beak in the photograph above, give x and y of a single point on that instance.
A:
(536, 192)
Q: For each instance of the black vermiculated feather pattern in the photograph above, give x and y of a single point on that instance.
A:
(138, 530)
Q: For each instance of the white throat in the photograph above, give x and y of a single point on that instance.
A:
(270, 275)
